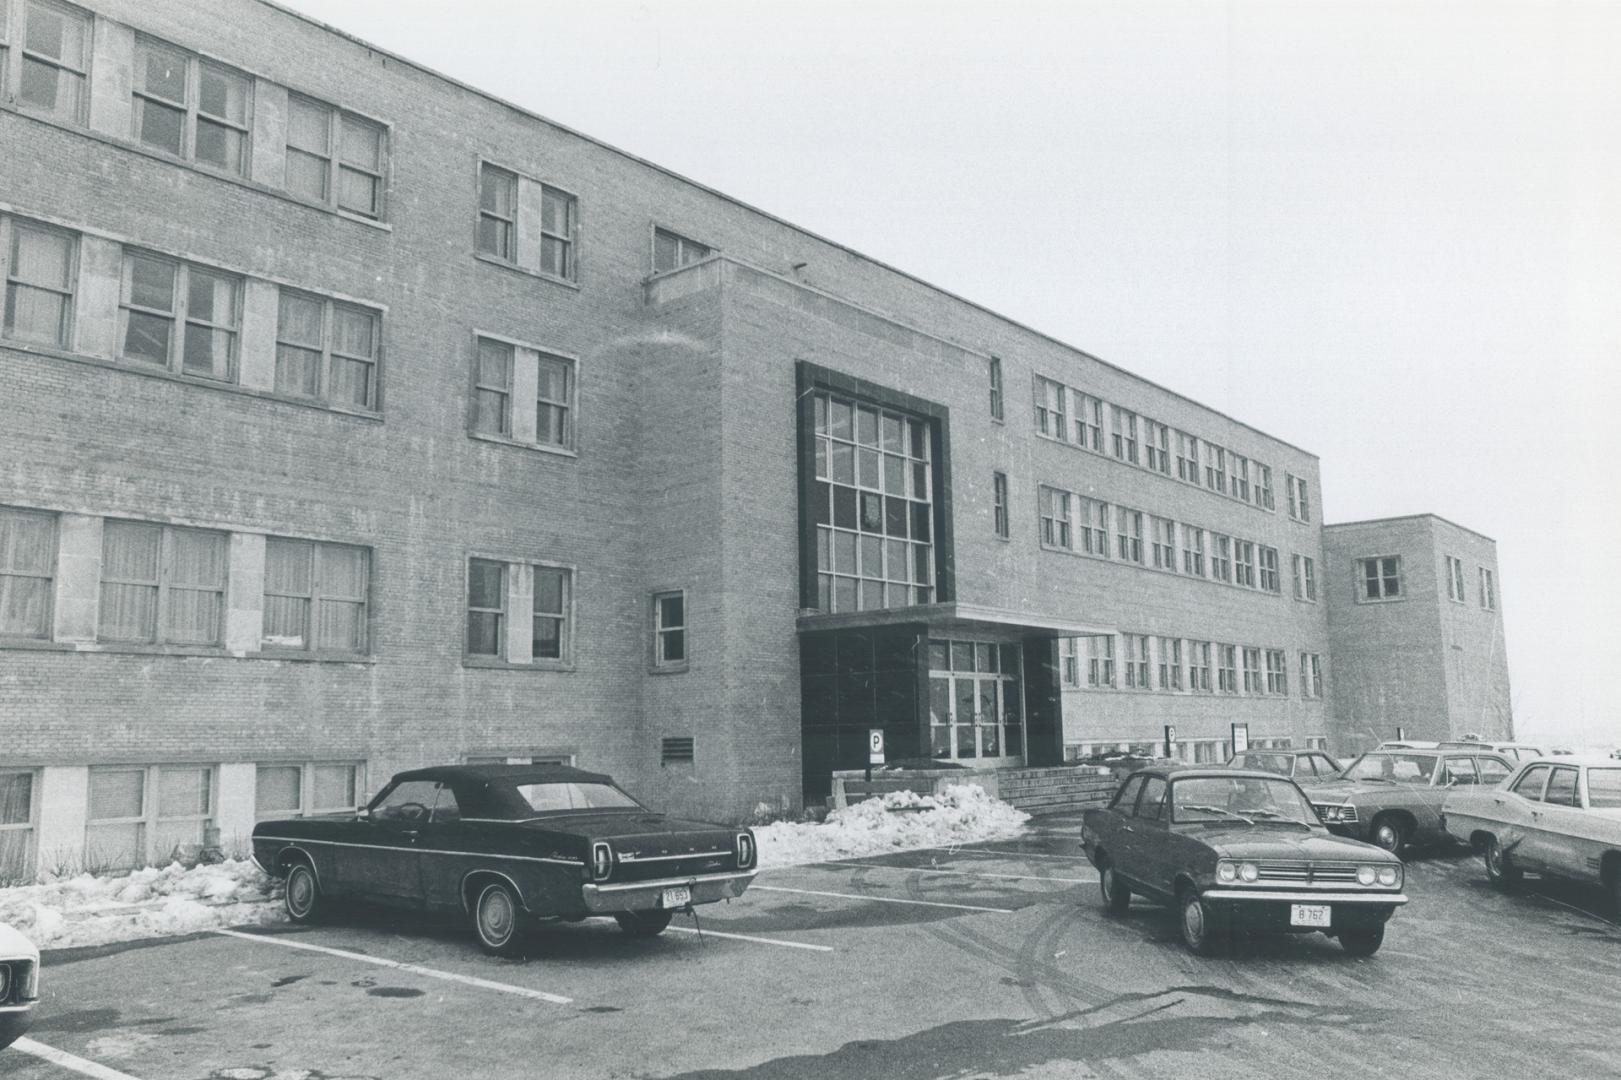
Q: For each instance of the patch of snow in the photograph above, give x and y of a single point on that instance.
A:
(899, 821)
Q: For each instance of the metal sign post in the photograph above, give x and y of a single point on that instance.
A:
(875, 749)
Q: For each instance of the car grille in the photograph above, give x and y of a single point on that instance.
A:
(1306, 873)
(1347, 812)
(689, 866)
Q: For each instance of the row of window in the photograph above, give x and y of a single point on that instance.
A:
(1380, 578)
(1194, 751)
(1455, 587)
(1179, 665)
(1072, 416)
(1081, 524)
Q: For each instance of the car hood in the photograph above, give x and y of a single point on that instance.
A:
(1281, 843)
(1349, 788)
(13, 945)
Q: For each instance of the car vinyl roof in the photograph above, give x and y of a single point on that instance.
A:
(506, 774)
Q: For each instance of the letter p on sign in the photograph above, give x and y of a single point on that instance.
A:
(875, 746)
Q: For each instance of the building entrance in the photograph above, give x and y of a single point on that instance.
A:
(976, 702)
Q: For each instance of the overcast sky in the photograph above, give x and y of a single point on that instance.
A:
(1389, 233)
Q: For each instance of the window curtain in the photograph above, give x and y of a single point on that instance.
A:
(196, 580)
(298, 346)
(26, 554)
(112, 840)
(129, 581)
(289, 584)
(354, 345)
(343, 599)
(43, 259)
(277, 790)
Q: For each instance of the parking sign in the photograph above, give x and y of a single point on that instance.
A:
(875, 746)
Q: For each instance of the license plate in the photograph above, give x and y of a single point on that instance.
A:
(1320, 915)
(681, 896)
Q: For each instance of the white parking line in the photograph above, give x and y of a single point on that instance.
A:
(415, 969)
(883, 899)
(68, 1061)
(958, 873)
(1015, 854)
(747, 937)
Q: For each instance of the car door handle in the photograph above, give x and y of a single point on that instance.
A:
(1127, 828)
(411, 834)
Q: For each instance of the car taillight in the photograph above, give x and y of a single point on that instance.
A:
(745, 850)
(602, 861)
(5, 983)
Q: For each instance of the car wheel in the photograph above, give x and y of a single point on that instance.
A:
(1389, 834)
(643, 923)
(1199, 932)
(1615, 891)
(1499, 870)
(1116, 897)
(303, 897)
(1364, 941)
(497, 919)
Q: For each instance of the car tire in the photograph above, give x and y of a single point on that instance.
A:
(1363, 941)
(1116, 896)
(643, 923)
(1389, 833)
(1500, 871)
(303, 898)
(498, 919)
(1197, 923)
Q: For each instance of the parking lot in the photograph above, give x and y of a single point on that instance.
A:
(990, 960)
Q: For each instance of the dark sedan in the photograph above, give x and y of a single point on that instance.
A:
(1239, 849)
(508, 845)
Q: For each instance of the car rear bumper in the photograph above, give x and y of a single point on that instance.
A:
(605, 899)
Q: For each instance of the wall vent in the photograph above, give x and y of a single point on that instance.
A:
(675, 751)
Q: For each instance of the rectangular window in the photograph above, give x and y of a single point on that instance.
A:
(1252, 670)
(55, 59)
(1050, 413)
(1269, 570)
(1157, 446)
(1299, 498)
(1088, 422)
(1215, 469)
(1199, 666)
(1163, 533)
(1240, 467)
(671, 251)
(1193, 551)
(492, 388)
(1100, 660)
(1123, 426)
(40, 268)
(297, 790)
(497, 212)
(558, 211)
(1137, 662)
(179, 316)
(550, 628)
(995, 371)
(190, 107)
(327, 351)
(1379, 578)
(1244, 563)
(1187, 457)
(1094, 522)
(1129, 534)
(1311, 675)
(1263, 486)
(17, 787)
(27, 572)
(1455, 579)
(1277, 672)
(334, 157)
(315, 596)
(1055, 524)
(554, 402)
(486, 607)
(144, 815)
(1221, 557)
(999, 508)
(1488, 590)
(1170, 663)
(162, 584)
(1069, 662)
(670, 629)
(1227, 673)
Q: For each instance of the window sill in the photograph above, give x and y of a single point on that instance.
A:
(202, 170)
(135, 648)
(1381, 600)
(543, 448)
(166, 375)
(669, 669)
(491, 260)
(1138, 466)
(492, 664)
(316, 657)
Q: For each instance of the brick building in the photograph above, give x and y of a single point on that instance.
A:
(356, 420)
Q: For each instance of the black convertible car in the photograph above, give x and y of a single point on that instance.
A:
(508, 844)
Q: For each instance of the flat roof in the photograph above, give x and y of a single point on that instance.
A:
(1408, 517)
(531, 114)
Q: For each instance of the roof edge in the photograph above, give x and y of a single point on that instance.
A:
(1410, 517)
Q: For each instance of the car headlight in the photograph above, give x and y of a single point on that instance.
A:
(1248, 872)
(1366, 875)
(1226, 872)
(1389, 875)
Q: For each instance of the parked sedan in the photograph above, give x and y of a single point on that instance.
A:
(1559, 816)
(1393, 797)
(1301, 766)
(1239, 849)
(19, 984)
(508, 845)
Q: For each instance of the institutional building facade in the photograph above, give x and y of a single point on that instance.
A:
(355, 420)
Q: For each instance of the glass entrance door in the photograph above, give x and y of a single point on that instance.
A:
(975, 702)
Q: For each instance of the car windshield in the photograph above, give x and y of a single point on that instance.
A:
(1407, 768)
(1604, 788)
(1278, 763)
(1248, 798)
(574, 795)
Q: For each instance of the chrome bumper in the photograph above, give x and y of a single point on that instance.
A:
(1270, 895)
(644, 895)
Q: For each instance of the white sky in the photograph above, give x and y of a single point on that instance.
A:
(1387, 232)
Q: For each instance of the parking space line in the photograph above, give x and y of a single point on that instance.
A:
(958, 873)
(68, 1061)
(883, 899)
(1573, 907)
(415, 969)
(748, 937)
(1016, 854)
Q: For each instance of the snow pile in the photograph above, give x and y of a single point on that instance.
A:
(899, 821)
(89, 910)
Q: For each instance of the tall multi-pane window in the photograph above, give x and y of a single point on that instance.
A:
(1187, 457)
(327, 351)
(1244, 563)
(671, 251)
(1488, 590)
(1129, 533)
(40, 266)
(1252, 670)
(162, 584)
(492, 388)
(670, 629)
(1069, 662)
(1157, 446)
(1050, 412)
(1269, 569)
(1379, 578)
(554, 402)
(1170, 663)
(497, 212)
(315, 596)
(334, 157)
(999, 507)
(1088, 422)
(557, 233)
(1227, 670)
(1263, 486)
(1094, 525)
(549, 626)
(144, 814)
(55, 59)
(27, 572)
(1055, 524)
(1311, 675)
(1163, 533)
(1299, 497)
(994, 370)
(1193, 551)
(16, 801)
(295, 790)
(1100, 660)
(1123, 427)
(873, 507)
(1199, 666)
(1137, 662)
(1215, 469)
(1221, 557)
(190, 107)
(179, 316)
(1455, 590)
(1240, 469)
(1277, 672)
(486, 607)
